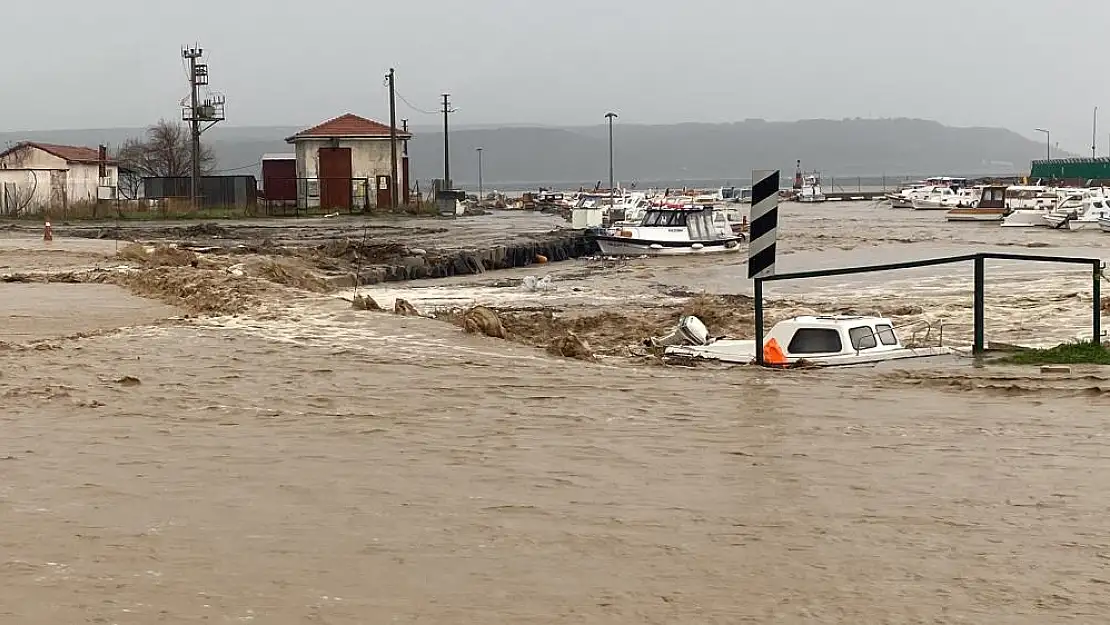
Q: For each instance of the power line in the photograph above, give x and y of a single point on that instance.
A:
(413, 106)
(252, 165)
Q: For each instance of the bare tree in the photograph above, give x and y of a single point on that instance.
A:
(166, 151)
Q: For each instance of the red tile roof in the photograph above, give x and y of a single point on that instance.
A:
(351, 126)
(70, 153)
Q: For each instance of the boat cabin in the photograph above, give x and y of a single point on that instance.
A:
(816, 340)
(992, 197)
(821, 337)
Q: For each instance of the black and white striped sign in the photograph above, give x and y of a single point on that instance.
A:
(764, 224)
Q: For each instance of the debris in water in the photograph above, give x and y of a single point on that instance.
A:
(404, 308)
(534, 284)
(571, 346)
(483, 320)
(1055, 369)
(128, 380)
(364, 302)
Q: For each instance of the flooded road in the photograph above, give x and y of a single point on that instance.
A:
(302, 462)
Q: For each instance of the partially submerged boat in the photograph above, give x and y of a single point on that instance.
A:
(822, 341)
(665, 231)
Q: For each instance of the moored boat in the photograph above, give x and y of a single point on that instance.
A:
(990, 207)
(691, 229)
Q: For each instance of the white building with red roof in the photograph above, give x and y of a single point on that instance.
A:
(39, 177)
(346, 163)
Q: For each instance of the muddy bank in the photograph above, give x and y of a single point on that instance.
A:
(368, 251)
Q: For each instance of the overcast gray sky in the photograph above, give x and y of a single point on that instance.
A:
(1013, 63)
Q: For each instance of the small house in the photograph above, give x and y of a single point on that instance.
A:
(346, 163)
(36, 177)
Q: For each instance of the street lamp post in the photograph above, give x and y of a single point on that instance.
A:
(611, 117)
(1047, 143)
(480, 195)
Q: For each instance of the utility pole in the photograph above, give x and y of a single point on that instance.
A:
(1047, 143)
(611, 117)
(480, 197)
(192, 54)
(211, 111)
(1094, 135)
(392, 139)
(446, 141)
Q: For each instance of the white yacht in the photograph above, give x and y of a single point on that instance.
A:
(921, 189)
(672, 231)
(943, 198)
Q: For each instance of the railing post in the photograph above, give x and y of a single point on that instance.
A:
(1096, 312)
(758, 297)
(980, 305)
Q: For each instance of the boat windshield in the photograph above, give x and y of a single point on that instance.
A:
(668, 219)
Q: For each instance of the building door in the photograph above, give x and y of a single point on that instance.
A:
(335, 178)
(385, 196)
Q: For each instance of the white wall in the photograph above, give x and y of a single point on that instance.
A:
(24, 191)
(37, 181)
(84, 179)
(370, 158)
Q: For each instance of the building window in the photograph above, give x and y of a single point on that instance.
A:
(815, 341)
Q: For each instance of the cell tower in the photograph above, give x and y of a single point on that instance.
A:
(200, 114)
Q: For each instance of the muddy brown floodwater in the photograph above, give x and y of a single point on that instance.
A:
(237, 446)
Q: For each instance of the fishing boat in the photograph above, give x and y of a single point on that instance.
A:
(671, 230)
(990, 207)
(810, 191)
(822, 341)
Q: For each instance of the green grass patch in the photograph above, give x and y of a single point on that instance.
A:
(1066, 354)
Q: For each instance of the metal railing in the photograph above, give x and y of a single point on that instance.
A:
(979, 260)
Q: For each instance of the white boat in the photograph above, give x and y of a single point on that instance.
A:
(811, 192)
(823, 341)
(697, 229)
(989, 207)
(942, 198)
(919, 190)
(1080, 211)
(1025, 218)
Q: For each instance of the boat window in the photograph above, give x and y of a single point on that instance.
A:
(815, 341)
(886, 334)
(862, 338)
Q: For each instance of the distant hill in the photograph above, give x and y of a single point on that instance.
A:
(674, 152)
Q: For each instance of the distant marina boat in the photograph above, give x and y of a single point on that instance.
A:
(810, 191)
(668, 231)
(923, 190)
